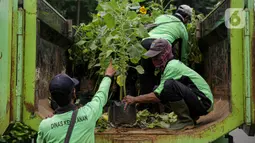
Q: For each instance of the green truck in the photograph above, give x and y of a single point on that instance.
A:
(30, 56)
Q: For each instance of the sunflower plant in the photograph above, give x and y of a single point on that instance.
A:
(115, 33)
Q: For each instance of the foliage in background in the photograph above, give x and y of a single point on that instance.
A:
(68, 8)
(18, 133)
(195, 55)
(144, 119)
(116, 32)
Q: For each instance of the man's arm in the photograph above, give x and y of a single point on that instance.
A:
(100, 98)
(146, 98)
(169, 73)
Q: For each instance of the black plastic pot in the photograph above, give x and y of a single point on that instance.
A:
(118, 116)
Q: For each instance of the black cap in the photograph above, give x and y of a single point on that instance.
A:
(62, 84)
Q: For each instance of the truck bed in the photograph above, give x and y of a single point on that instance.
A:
(220, 112)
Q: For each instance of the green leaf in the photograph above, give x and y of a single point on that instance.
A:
(109, 38)
(85, 51)
(120, 80)
(104, 6)
(91, 64)
(93, 46)
(131, 15)
(69, 51)
(139, 69)
(135, 51)
(135, 60)
(89, 34)
(97, 65)
(134, 1)
(80, 43)
(113, 5)
(142, 32)
(108, 53)
(109, 20)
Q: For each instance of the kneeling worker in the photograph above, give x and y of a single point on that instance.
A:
(182, 88)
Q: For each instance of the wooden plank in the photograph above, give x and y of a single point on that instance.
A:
(214, 19)
(47, 14)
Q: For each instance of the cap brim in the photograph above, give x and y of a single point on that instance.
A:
(76, 82)
(151, 53)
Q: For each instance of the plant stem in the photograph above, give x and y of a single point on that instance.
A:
(121, 93)
(125, 92)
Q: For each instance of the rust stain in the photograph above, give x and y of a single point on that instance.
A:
(7, 107)
(1, 55)
(30, 107)
(253, 73)
(12, 81)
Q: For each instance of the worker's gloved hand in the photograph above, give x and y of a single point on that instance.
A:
(128, 100)
(110, 71)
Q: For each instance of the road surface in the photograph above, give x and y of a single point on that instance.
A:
(240, 137)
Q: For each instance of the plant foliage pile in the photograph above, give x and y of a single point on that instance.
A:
(144, 119)
(18, 133)
(116, 32)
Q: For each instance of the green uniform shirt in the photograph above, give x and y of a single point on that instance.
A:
(171, 32)
(177, 70)
(53, 130)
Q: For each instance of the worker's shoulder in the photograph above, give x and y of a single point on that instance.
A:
(174, 64)
(45, 123)
(167, 17)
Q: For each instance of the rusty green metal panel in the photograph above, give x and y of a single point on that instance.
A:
(249, 126)
(252, 34)
(14, 60)
(247, 68)
(29, 76)
(20, 57)
(252, 30)
(5, 62)
(45, 44)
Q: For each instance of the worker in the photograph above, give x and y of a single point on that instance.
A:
(182, 88)
(171, 28)
(62, 126)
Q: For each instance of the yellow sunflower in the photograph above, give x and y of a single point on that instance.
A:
(143, 10)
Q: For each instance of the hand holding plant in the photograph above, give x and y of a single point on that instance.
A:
(110, 70)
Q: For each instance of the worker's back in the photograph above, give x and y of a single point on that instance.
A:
(171, 31)
(55, 128)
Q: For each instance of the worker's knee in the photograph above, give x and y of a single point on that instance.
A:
(170, 85)
(169, 92)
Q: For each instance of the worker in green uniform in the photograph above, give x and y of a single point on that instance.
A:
(183, 89)
(54, 129)
(171, 28)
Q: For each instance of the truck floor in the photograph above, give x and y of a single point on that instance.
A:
(220, 112)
